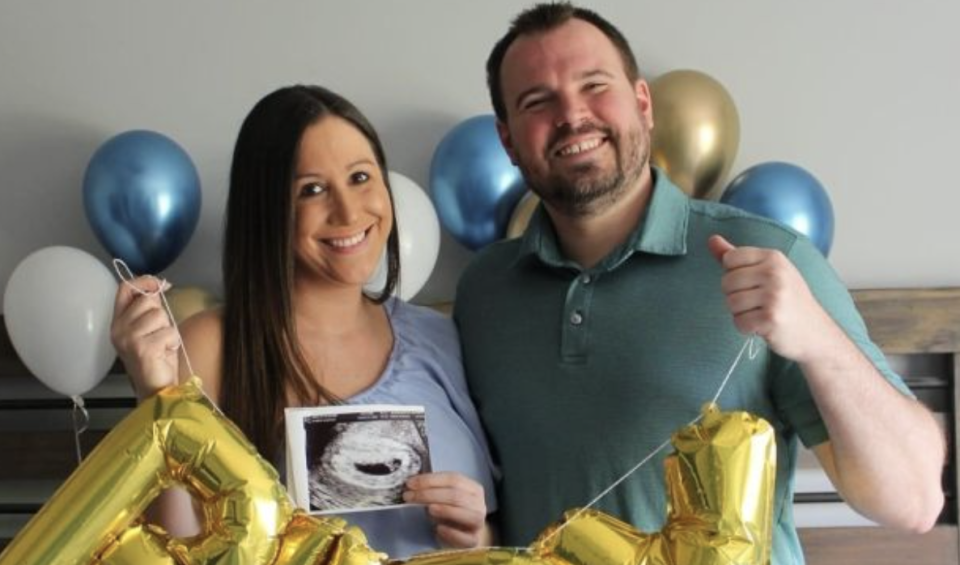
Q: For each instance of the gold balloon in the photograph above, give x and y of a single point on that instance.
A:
(522, 214)
(720, 484)
(720, 494)
(189, 300)
(696, 131)
(178, 436)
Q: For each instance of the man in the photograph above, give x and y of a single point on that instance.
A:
(617, 314)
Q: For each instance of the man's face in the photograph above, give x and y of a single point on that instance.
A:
(576, 126)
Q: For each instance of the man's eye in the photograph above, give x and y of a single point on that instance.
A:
(533, 104)
(311, 189)
(359, 177)
(596, 86)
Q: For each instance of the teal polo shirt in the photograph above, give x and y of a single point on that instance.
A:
(578, 374)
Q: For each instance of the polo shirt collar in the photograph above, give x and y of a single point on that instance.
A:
(540, 241)
(662, 230)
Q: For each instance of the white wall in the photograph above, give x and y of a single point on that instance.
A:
(862, 93)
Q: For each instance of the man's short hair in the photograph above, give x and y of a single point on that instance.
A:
(542, 18)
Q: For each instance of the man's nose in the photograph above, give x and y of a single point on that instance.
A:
(572, 111)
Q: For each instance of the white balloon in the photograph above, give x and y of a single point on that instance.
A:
(58, 306)
(418, 229)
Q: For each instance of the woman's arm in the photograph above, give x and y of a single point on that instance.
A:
(149, 347)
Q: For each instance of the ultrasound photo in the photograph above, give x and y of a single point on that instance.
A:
(357, 457)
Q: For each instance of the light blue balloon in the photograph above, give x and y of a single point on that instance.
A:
(473, 184)
(141, 194)
(788, 194)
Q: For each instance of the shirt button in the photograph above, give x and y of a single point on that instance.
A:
(576, 318)
(587, 279)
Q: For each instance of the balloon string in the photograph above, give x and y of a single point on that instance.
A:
(127, 277)
(81, 419)
(752, 349)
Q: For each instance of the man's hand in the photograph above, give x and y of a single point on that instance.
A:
(885, 453)
(455, 503)
(144, 338)
(768, 297)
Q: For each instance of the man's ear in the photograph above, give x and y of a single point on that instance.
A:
(504, 132)
(644, 100)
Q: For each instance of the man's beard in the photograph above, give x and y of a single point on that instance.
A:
(586, 190)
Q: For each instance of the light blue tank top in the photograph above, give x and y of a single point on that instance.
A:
(425, 369)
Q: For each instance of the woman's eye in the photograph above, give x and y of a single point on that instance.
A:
(359, 177)
(311, 189)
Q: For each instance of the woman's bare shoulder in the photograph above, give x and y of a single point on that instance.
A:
(202, 336)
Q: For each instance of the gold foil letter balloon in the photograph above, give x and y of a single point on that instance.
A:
(178, 436)
(720, 489)
(696, 131)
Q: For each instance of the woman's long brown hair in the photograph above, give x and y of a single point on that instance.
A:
(262, 358)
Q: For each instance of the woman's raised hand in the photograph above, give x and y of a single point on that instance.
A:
(143, 336)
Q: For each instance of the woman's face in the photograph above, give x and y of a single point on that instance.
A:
(343, 214)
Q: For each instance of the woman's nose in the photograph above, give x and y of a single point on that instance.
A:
(346, 207)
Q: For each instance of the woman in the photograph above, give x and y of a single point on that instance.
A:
(308, 217)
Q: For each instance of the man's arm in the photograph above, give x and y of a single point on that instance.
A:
(885, 454)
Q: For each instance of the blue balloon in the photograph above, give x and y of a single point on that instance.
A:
(788, 194)
(473, 184)
(141, 194)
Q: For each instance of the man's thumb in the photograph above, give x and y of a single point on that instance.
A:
(719, 246)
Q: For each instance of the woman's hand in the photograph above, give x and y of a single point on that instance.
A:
(144, 338)
(456, 504)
